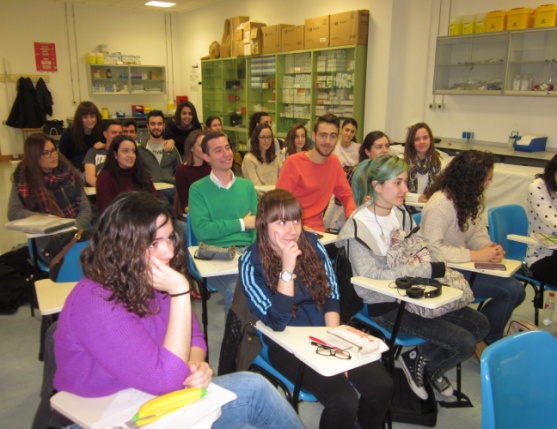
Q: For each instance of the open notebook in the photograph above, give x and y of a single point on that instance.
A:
(40, 224)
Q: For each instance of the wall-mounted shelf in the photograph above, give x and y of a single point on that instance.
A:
(109, 79)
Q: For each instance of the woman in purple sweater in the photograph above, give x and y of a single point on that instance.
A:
(122, 172)
(129, 322)
(193, 169)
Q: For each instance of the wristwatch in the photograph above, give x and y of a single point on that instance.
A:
(286, 276)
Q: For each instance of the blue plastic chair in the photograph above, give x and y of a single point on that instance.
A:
(192, 241)
(512, 219)
(519, 381)
(262, 365)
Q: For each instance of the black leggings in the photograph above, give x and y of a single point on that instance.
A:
(338, 393)
(545, 270)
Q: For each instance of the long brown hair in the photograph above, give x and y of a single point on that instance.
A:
(191, 139)
(116, 257)
(270, 155)
(290, 140)
(33, 148)
(410, 150)
(78, 134)
(282, 205)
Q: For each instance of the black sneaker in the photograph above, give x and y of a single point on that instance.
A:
(413, 364)
(442, 385)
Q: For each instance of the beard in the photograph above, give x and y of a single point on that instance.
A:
(155, 133)
(320, 152)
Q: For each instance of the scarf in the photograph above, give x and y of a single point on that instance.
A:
(422, 166)
(61, 182)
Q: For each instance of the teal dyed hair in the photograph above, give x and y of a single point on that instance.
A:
(381, 169)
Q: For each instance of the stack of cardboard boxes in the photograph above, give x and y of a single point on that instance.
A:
(254, 38)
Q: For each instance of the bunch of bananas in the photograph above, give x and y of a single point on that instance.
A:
(165, 404)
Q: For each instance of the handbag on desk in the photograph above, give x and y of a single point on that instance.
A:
(410, 249)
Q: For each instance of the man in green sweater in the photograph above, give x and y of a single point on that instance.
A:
(222, 207)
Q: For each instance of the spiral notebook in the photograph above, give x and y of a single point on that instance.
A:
(40, 224)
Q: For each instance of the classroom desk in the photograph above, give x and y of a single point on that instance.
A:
(295, 339)
(159, 186)
(115, 410)
(512, 267)
(51, 296)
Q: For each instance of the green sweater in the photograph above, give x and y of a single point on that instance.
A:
(215, 212)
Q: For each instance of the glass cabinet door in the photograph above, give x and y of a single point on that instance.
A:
(234, 99)
(470, 64)
(532, 63)
(262, 85)
(211, 75)
(109, 79)
(294, 90)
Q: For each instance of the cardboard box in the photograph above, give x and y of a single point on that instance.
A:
(496, 21)
(236, 21)
(238, 35)
(317, 32)
(349, 28)
(545, 15)
(225, 49)
(520, 18)
(293, 38)
(237, 49)
(272, 38)
(248, 27)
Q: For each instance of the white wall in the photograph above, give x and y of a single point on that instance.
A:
(401, 55)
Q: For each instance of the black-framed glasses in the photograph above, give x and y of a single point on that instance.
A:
(49, 153)
(338, 353)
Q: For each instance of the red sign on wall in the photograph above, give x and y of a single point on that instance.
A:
(45, 57)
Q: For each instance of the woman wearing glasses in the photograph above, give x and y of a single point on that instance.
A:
(45, 182)
(261, 165)
(289, 281)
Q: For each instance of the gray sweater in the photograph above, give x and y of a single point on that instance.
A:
(367, 261)
(166, 170)
(440, 225)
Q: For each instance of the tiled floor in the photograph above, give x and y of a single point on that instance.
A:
(21, 372)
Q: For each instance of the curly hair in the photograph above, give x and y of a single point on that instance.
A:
(548, 175)
(116, 257)
(410, 149)
(270, 155)
(77, 132)
(463, 182)
(282, 205)
(141, 177)
(33, 148)
(289, 141)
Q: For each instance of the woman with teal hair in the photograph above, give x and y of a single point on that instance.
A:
(381, 243)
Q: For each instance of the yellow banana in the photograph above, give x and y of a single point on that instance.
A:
(165, 404)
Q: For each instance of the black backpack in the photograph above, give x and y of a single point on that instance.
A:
(15, 279)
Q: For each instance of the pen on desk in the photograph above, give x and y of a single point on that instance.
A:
(318, 342)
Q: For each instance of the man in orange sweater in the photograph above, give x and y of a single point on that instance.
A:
(313, 176)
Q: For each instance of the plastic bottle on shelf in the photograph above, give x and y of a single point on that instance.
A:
(108, 74)
(548, 310)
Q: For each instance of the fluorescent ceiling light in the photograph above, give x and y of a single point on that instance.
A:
(160, 4)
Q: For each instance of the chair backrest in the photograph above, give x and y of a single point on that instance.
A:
(70, 271)
(191, 241)
(509, 219)
(417, 218)
(519, 381)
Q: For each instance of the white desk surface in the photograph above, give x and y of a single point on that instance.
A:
(264, 188)
(295, 339)
(115, 410)
(159, 186)
(214, 268)
(498, 149)
(388, 288)
(51, 296)
(512, 267)
(39, 235)
(414, 204)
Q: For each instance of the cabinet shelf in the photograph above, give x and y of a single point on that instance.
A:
(125, 79)
(289, 76)
(524, 58)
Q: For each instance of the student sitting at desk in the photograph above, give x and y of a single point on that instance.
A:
(45, 182)
(129, 322)
(261, 165)
(368, 234)
(451, 220)
(289, 281)
(542, 218)
(122, 172)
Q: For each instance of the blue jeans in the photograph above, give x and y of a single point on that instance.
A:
(258, 404)
(451, 338)
(506, 294)
(225, 285)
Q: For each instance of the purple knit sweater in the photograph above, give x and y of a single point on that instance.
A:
(101, 348)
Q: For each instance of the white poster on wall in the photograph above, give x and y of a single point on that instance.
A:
(195, 77)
